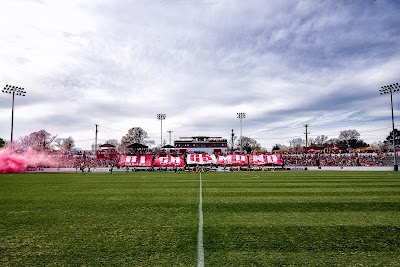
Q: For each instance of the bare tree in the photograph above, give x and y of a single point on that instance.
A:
(348, 136)
(65, 144)
(118, 146)
(320, 140)
(113, 142)
(280, 147)
(332, 142)
(297, 143)
(69, 143)
(136, 135)
(38, 140)
(248, 144)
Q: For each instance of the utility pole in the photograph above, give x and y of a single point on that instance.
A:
(95, 141)
(306, 125)
(306, 150)
(232, 140)
(169, 136)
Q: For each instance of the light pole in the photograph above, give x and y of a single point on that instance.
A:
(390, 89)
(161, 117)
(11, 89)
(241, 116)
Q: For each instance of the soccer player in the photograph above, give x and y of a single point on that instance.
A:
(111, 169)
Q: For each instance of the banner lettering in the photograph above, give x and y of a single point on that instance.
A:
(135, 161)
(169, 161)
(265, 159)
(145, 160)
(200, 159)
(235, 160)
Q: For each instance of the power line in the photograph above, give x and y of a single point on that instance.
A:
(279, 138)
(110, 128)
(84, 140)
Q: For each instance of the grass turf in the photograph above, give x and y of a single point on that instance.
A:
(151, 219)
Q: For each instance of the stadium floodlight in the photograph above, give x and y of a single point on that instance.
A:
(241, 116)
(390, 89)
(14, 90)
(161, 117)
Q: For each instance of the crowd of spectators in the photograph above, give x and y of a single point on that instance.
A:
(71, 161)
(289, 160)
(348, 159)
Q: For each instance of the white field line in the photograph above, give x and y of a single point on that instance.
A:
(200, 247)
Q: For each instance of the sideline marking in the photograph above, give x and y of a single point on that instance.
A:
(200, 247)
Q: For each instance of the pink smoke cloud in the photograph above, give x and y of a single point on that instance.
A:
(18, 160)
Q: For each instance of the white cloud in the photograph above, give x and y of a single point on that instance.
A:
(119, 63)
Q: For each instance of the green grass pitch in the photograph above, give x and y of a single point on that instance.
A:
(298, 218)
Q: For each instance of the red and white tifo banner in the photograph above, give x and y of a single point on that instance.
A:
(168, 161)
(235, 160)
(265, 159)
(135, 161)
(201, 159)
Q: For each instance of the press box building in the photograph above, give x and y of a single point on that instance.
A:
(202, 144)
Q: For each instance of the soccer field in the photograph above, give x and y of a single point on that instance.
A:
(307, 218)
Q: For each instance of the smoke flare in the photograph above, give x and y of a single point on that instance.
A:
(17, 160)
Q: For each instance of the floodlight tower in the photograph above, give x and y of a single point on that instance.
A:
(161, 117)
(390, 89)
(11, 89)
(241, 116)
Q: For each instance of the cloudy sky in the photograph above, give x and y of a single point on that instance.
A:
(118, 63)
